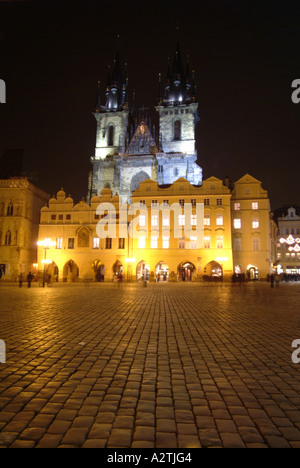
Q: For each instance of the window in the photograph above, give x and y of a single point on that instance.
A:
(220, 242)
(193, 220)
(219, 220)
(181, 243)
(219, 201)
(165, 202)
(206, 201)
(181, 220)
(206, 220)
(7, 240)
(68, 217)
(71, 243)
(255, 223)
(193, 242)
(255, 244)
(166, 242)
(181, 203)
(237, 223)
(110, 140)
(154, 220)
(121, 242)
(108, 243)
(97, 216)
(142, 203)
(165, 220)
(60, 217)
(142, 220)
(177, 130)
(206, 242)
(254, 205)
(237, 244)
(154, 203)
(96, 242)
(10, 209)
(237, 206)
(193, 202)
(142, 242)
(53, 217)
(59, 242)
(153, 242)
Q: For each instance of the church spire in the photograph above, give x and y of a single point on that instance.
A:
(98, 100)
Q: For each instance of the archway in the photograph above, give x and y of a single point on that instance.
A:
(70, 272)
(99, 270)
(252, 272)
(142, 271)
(213, 271)
(162, 272)
(118, 269)
(52, 272)
(186, 271)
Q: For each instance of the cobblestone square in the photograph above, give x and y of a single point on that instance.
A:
(167, 366)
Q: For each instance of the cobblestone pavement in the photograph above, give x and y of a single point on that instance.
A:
(169, 366)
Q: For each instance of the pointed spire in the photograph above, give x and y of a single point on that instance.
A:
(193, 88)
(132, 110)
(160, 99)
(187, 73)
(98, 101)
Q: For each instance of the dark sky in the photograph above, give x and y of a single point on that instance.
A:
(245, 54)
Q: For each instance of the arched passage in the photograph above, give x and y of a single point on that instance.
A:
(213, 271)
(252, 272)
(186, 271)
(118, 269)
(70, 272)
(98, 268)
(142, 271)
(162, 272)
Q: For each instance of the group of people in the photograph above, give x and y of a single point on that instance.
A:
(29, 279)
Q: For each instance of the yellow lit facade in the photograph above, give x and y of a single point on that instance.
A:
(179, 232)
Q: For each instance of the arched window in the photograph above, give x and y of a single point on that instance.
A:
(10, 209)
(177, 130)
(8, 238)
(111, 135)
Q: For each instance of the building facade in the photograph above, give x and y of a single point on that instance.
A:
(20, 205)
(288, 242)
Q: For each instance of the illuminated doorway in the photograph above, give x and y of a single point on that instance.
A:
(99, 270)
(252, 272)
(70, 272)
(161, 272)
(186, 271)
(214, 271)
(142, 271)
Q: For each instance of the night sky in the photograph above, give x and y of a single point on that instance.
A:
(245, 55)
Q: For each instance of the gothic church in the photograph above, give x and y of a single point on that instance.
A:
(129, 149)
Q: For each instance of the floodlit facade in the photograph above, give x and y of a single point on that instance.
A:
(253, 230)
(20, 205)
(288, 243)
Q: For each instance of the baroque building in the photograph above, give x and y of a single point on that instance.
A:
(129, 149)
(20, 205)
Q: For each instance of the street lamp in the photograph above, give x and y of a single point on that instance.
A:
(46, 244)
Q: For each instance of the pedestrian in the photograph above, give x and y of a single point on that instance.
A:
(21, 279)
(29, 278)
(272, 280)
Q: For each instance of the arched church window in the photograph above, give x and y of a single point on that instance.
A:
(111, 135)
(8, 238)
(177, 130)
(10, 209)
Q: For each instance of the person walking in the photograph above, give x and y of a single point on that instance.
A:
(272, 278)
(21, 279)
(29, 279)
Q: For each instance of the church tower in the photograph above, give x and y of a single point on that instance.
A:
(178, 117)
(112, 121)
